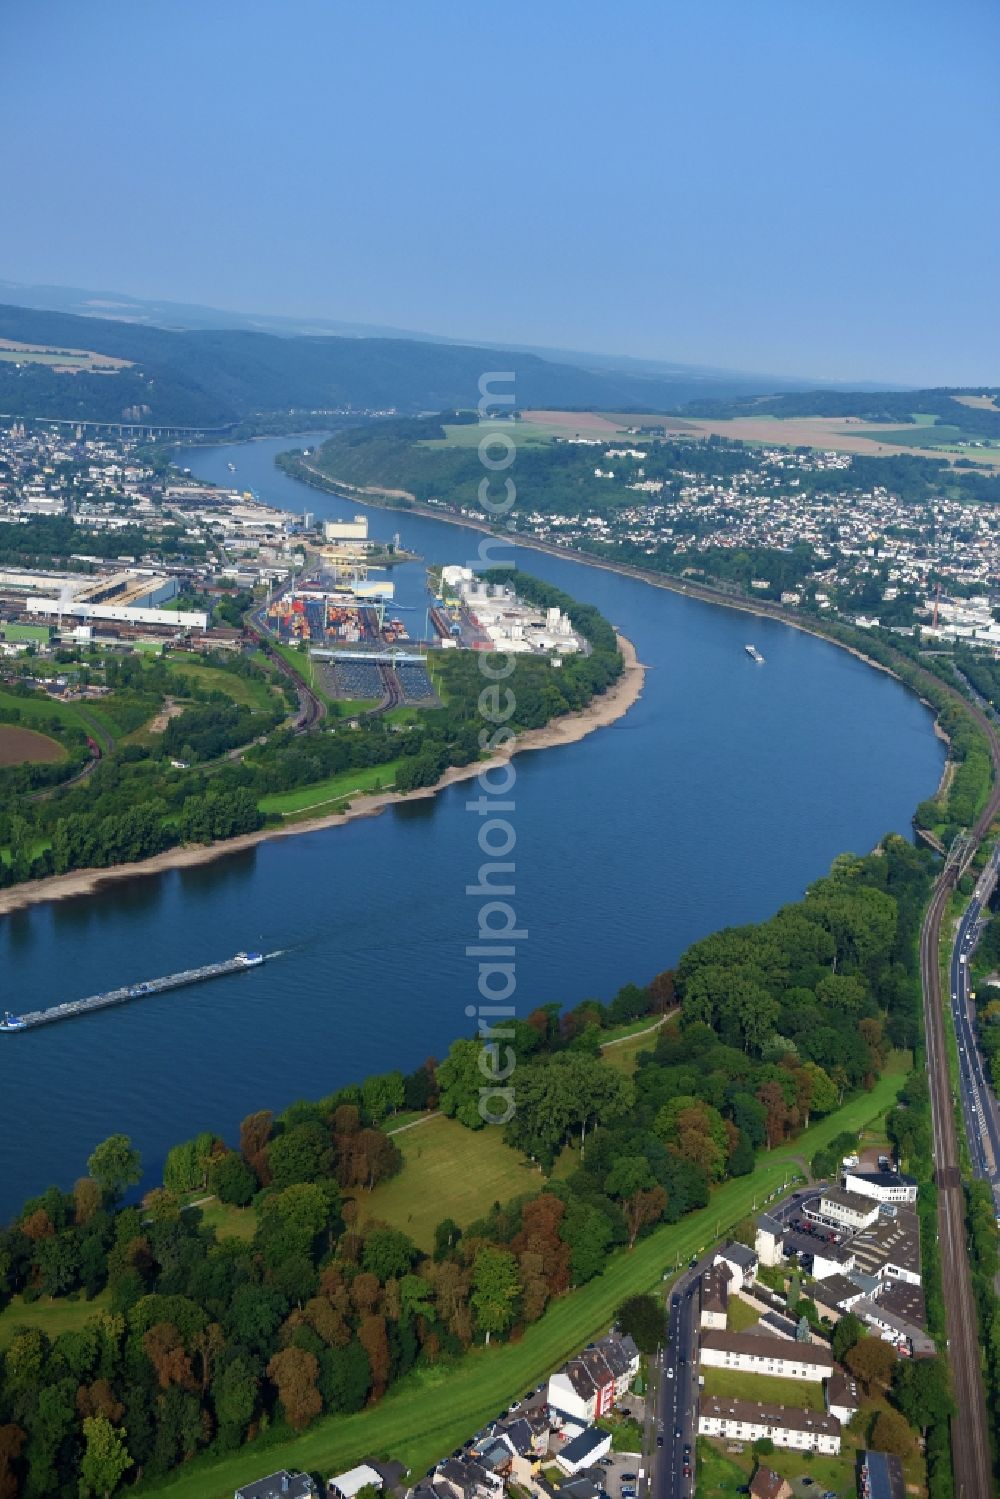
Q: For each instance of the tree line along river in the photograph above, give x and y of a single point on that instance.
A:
(725, 790)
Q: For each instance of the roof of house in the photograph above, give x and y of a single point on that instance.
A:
(354, 1479)
(715, 1288)
(878, 1316)
(464, 1473)
(904, 1300)
(518, 1433)
(766, 1484)
(739, 1254)
(885, 1476)
(610, 1358)
(580, 1487)
(589, 1441)
(894, 1241)
(836, 1291)
(769, 1225)
(785, 1417)
(842, 1390)
(280, 1485)
(495, 1454)
(853, 1202)
(766, 1347)
(881, 1178)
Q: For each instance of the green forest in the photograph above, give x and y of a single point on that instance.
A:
(202, 1343)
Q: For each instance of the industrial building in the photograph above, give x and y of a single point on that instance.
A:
(128, 596)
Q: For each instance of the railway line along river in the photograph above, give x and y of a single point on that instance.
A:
(722, 793)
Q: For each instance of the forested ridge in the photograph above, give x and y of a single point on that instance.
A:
(216, 377)
(204, 1342)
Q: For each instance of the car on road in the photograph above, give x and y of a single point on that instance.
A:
(659, 1441)
(670, 1372)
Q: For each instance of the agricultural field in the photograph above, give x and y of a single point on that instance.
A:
(20, 746)
(470, 434)
(834, 433)
(448, 1172)
(62, 361)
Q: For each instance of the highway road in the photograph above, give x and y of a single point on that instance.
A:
(677, 1392)
(969, 1428)
(979, 1104)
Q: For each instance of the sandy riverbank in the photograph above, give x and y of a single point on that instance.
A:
(603, 710)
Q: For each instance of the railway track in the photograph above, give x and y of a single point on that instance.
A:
(312, 708)
(970, 1445)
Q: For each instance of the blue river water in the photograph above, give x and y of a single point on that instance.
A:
(725, 790)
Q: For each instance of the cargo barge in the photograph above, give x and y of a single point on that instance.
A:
(74, 1007)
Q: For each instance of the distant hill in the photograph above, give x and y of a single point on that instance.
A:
(214, 377)
(973, 411)
(162, 313)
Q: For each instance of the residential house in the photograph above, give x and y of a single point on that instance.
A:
(588, 1385)
(584, 1450)
(715, 1296)
(347, 1485)
(755, 1354)
(751, 1421)
(844, 1209)
(280, 1485)
(881, 1186)
(881, 1476)
(463, 1478)
(906, 1336)
(742, 1264)
(842, 1397)
(766, 1484)
(891, 1248)
(769, 1241)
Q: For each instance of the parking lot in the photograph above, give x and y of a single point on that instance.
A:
(612, 1471)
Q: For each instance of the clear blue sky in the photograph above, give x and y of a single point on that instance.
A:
(771, 185)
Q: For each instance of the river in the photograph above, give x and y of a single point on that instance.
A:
(721, 795)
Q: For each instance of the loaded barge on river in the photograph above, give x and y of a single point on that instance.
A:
(74, 1007)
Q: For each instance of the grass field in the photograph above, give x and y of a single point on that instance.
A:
(470, 434)
(720, 1474)
(319, 799)
(19, 746)
(741, 1315)
(228, 1222)
(449, 1172)
(432, 1411)
(624, 1045)
(735, 1384)
(35, 711)
(53, 1317)
(248, 692)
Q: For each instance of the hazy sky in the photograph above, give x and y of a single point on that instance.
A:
(777, 185)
